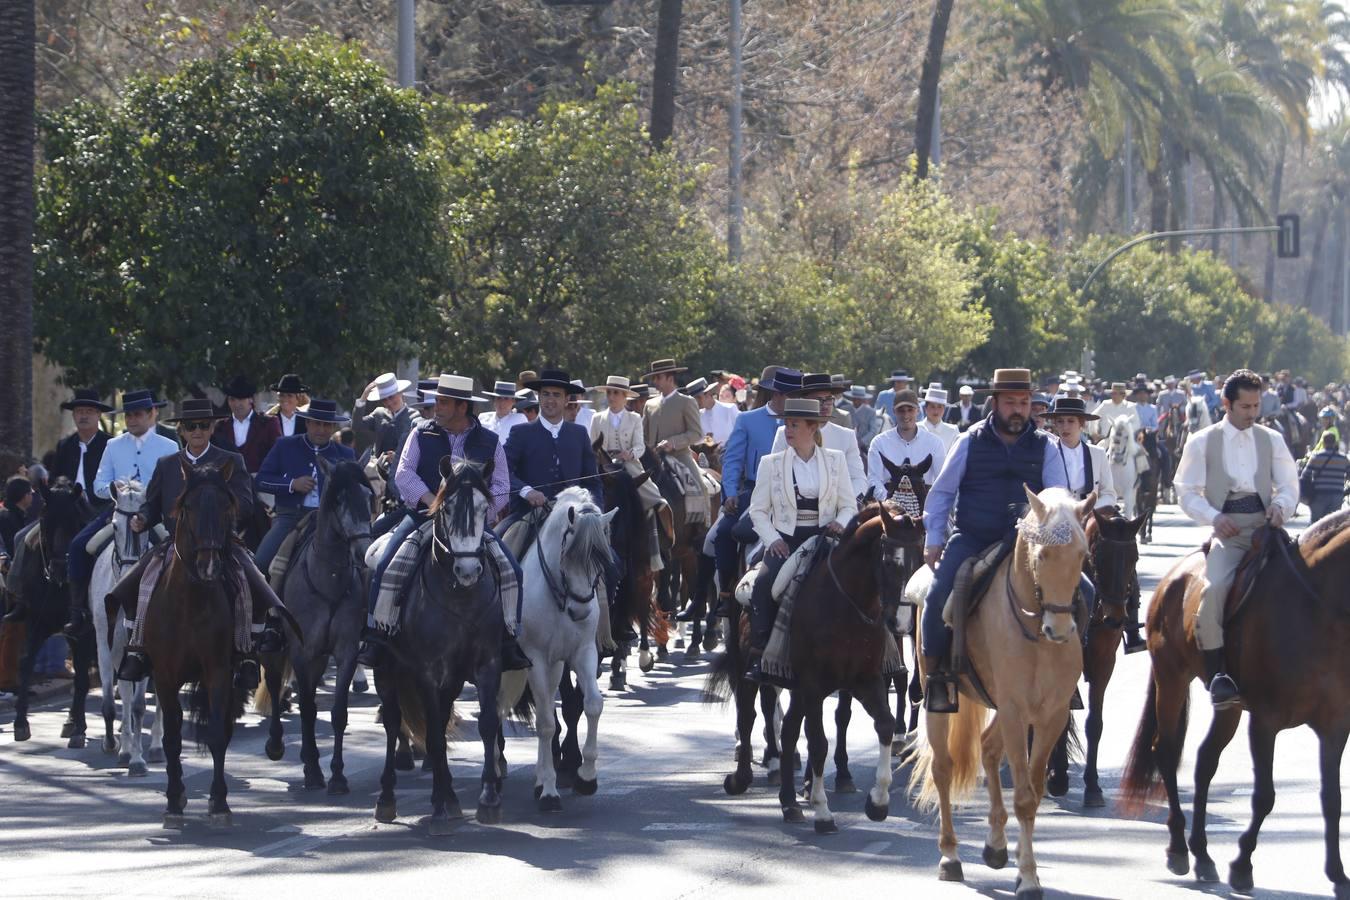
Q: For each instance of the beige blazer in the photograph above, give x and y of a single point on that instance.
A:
(773, 505)
(628, 436)
(677, 420)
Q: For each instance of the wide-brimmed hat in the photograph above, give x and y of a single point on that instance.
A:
(900, 375)
(695, 387)
(966, 391)
(935, 393)
(766, 376)
(195, 410)
(664, 367)
(426, 391)
(291, 384)
(135, 400)
(783, 381)
(1170, 380)
(387, 385)
(555, 378)
(1072, 406)
(858, 392)
(239, 387)
(579, 398)
(816, 382)
(1043, 399)
(800, 408)
(505, 389)
(841, 382)
(642, 390)
(617, 383)
(526, 399)
(457, 387)
(1196, 373)
(1010, 380)
(323, 411)
(907, 397)
(86, 397)
(1141, 386)
(1118, 386)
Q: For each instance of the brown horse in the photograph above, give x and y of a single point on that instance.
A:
(1286, 650)
(1022, 642)
(190, 633)
(636, 593)
(676, 583)
(1111, 564)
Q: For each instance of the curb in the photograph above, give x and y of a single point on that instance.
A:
(44, 691)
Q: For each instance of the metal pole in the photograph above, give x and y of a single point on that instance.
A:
(407, 52)
(1129, 177)
(735, 202)
(1163, 235)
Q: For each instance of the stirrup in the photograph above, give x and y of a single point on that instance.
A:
(247, 675)
(1223, 692)
(513, 658)
(372, 651)
(135, 665)
(1134, 641)
(940, 693)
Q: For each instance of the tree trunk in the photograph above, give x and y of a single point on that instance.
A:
(17, 100)
(1157, 186)
(1315, 263)
(929, 79)
(666, 71)
(735, 204)
(1277, 184)
(1217, 220)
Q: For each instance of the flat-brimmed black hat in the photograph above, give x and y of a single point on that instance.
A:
(323, 411)
(426, 390)
(554, 378)
(194, 410)
(137, 400)
(801, 408)
(291, 384)
(664, 367)
(784, 381)
(240, 388)
(526, 399)
(86, 397)
(1071, 406)
(816, 382)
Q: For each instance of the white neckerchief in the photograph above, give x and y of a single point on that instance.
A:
(193, 459)
(552, 429)
(616, 419)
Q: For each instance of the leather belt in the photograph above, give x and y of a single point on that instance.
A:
(1250, 503)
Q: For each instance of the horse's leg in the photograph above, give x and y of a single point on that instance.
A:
(773, 748)
(593, 702)
(738, 781)
(1057, 785)
(306, 687)
(941, 771)
(1101, 664)
(359, 684)
(156, 754)
(488, 682)
(107, 679)
(171, 711)
(221, 726)
(275, 748)
(346, 666)
(1331, 748)
(645, 661)
(33, 640)
(133, 716)
(1171, 698)
(817, 751)
(437, 715)
(787, 789)
(1261, 737)
(386, 808)
(1028, 772)
(543, 679)
(1221, 731)
(991, 756)
(81, 655)
(843, 714)
(874, 701)
(567, 750)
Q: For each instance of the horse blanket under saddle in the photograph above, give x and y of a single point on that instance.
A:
(290, 547)
(236, 587)
(411, 556)
(697, 490)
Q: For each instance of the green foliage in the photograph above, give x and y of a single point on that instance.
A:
(252, 212)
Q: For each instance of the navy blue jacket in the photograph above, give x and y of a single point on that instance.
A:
(538, 461)
(991, 493)
(293, 457)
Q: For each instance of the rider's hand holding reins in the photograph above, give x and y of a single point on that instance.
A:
(138, 523)
(729, 505)
(536, 499)
(778, 548)
(834, 528)
(1275, 515)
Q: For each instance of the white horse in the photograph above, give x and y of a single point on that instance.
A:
(120, 555)
(1197, 414)
(1125, 455)
(558, 629)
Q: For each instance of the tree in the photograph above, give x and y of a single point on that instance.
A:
(666, 70)
(249, 213)
(16, 233)
(928, 85)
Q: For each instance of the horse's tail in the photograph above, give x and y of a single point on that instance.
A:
(964, 746)
(515, 701)
(724, 677)
(199, 705)
(414, 714)
(658, 622)
(262, 697)
(1141, 780)
(1073, 741)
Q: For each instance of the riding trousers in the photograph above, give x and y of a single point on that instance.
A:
(1225, 555)
(725, 548)
(79, 565)
(284, 521)
(762, 606)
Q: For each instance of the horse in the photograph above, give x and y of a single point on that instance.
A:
(1021, 640)
(1123, 453)
(839, 636)
(1285, 647)
(450, 635)
(1197, 415)
(559, 629)
(110, 638)
(324, 588)
(1172, 433)
(1112, 561)
(43, 583)
(676, 582)
(629, 540)
(192, 630)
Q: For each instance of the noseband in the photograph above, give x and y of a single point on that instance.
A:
(558, 584)
(1035, 534)
(129, 552)
(442, 551)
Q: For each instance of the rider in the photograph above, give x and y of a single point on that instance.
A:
(78, 455)
(391, 421)
(799, 492)
(900, 380)
(1202, 387)
(503, 416)
(982, 480)
(620, 434)
(455, 432)
(1234, 476)
(934, 415)
(1172, 398)
(550, 453)
(1117, 407)
(131, 455)
(906, 442)
(671, 425)
(290, 390)
(823, 389)
(245, 431)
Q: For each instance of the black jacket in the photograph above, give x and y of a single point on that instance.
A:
(68, 459)
(167, 484)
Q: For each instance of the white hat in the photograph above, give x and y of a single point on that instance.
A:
(966, 391)
(935, 393)
(578, 399)
(456, 387)
(387, 385)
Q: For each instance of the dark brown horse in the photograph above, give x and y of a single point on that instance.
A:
(637, 583)
(190, 633)
(1285, 647)
(675, 585)
(1112, 561)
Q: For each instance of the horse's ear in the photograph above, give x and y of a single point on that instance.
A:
(447, 466)
(891, 467)
(227, 470)
(609, 516)
(924, 466)
(598, 442)
(1137, 522)
(1037, 505)
(1085, 509)
(888, 521)
(1101, 519)
(642, 479)
(571, 515)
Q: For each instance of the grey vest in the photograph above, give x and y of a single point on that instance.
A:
(1218, 484)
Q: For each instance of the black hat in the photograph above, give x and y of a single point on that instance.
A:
(240, 388)
(526, 399)
(784, 381)
(555, 378)
(426, 386)
(86, 397)
(194, 409)
(322, 411)
(819, 381)
(136, 400)
(291, 384)
(1072, 406)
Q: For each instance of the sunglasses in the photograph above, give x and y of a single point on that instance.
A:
(197, 426)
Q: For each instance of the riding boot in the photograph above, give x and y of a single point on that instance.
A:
(727, 605)
(513, 658)
(79, 622)
(1223, 692)
(698, 606)
(940, 689)
(272, 639)
(135, 665)
(1134, 641)
(374, 648)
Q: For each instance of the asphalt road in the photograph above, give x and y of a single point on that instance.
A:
(73, 823)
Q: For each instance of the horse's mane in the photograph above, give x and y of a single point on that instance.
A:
(462, 509)
(212, 472)
(1321, 532)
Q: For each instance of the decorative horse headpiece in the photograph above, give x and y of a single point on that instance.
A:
(905, 497)
(1035, 532)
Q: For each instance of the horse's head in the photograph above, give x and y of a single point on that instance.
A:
(205, 512)
(64, 512)
(1115, 555)
(905, 484)
(344, 507)
(1052, 545)
(128, 498)
(460, 512)
(900, 554)
(1118, 440)
(576, 535)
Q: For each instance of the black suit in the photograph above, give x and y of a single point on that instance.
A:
(962, 418)
(167, 484)
(68, 459)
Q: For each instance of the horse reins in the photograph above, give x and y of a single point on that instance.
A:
(1019, 612)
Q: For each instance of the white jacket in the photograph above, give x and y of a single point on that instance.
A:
(773, 505)
(1104, 483)
(836, 437)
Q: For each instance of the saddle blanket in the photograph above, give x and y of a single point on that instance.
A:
(694, 488)
(276, 572)
(408, 559)
(237, 586)
(971, 580)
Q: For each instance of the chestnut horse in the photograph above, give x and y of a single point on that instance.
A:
(1285, 647)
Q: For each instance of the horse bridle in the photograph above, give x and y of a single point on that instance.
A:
(893, 553)
(132, 539)
(1019, 612)
(441, 550)
(1104, 597)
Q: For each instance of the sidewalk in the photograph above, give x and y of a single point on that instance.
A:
(46, 690)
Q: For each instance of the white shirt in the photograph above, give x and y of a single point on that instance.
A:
(1109, 410)
(806, 476)
(718, 420)
(1239, 462)
(584, 416)
(501, 427)
(836, 437)
(1076, 472)
(287, 425)
(890, 445)
(193, 459)
(240, 430)
(943, 431)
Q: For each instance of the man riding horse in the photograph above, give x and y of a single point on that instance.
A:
(671, 425)
(620, 434)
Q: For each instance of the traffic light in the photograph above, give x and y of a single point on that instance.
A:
(1286, 240)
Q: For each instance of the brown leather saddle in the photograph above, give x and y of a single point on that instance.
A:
(1267, 544)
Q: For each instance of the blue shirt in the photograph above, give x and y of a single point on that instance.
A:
(1148, 415)
(127, 456)
(294, 457)
(886, 402)
(1207, 390)
(937, 508)
(751, 439)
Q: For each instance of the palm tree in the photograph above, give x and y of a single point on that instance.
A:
(17, 98)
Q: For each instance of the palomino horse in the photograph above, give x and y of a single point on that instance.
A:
(324, 589)
(450, 634)
(1285, 648)
(1022, 642)
(191, 633)
(839, 638)
(1125, 456)
(1111, 564)
(559, 626)
(41, 580)
(111, 637)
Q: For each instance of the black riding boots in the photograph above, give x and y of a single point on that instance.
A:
(940, 689)
(1223, 692)
(1134, 641)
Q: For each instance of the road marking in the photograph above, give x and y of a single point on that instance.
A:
(686, 826)
(1242, 792)
(876, 847)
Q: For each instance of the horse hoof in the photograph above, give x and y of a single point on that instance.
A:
(337, 786)
(439, 826)
(175, 820)
(1206, 871)
(275, 751)
(1031, 893)
(692, 653)
(403, 761)
(124, 758)
(711, 639)
(1093, 799)
(826, 826)
(734, 785)
(386, 812)
(876, 812)
(793, 815)
(76, 742)
(67, 729)
(22, 731)
(995, 859)
(645, 661)
(585, 788)
(1342, 890)
(138, 770)
(1057, 785)
(950, 870)
(314, 781)
(1180, 863)
(155, 755)
(489, 815)
(618, 683)
(662, 653)
(844, 785)
(774, 778)
(551, 803)
(220, 820)
(359, 686)
(109, 746)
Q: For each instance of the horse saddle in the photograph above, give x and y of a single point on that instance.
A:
(290, 549)
(973, 580)
(523, 532)
(790, 576)
(99, 542)
(1267, 543)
